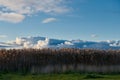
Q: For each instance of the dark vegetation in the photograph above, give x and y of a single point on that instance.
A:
(22, 60)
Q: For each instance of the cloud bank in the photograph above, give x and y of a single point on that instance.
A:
(43, 42)
(16, 10)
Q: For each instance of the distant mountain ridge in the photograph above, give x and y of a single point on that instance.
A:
(43, 42)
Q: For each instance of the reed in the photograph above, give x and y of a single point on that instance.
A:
(60, 60)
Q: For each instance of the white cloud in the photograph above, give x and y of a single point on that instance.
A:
(68, 43)
(20, 8)
(32, 6)
(28, 43)
(94, 35)
(3, 36)
(42, 44)
(20, 41)
(11, 17)
(48, 20)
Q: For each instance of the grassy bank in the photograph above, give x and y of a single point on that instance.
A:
(64, 76)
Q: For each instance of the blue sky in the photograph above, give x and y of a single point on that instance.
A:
(61, 19)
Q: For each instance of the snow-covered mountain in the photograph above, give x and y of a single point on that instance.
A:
(43, 42)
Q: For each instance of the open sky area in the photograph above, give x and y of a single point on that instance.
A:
(61, 19)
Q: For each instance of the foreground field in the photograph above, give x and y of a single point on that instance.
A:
(68, 76)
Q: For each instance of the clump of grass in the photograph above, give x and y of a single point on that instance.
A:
(93, 76)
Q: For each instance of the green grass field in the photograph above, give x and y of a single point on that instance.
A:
(65, 76)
